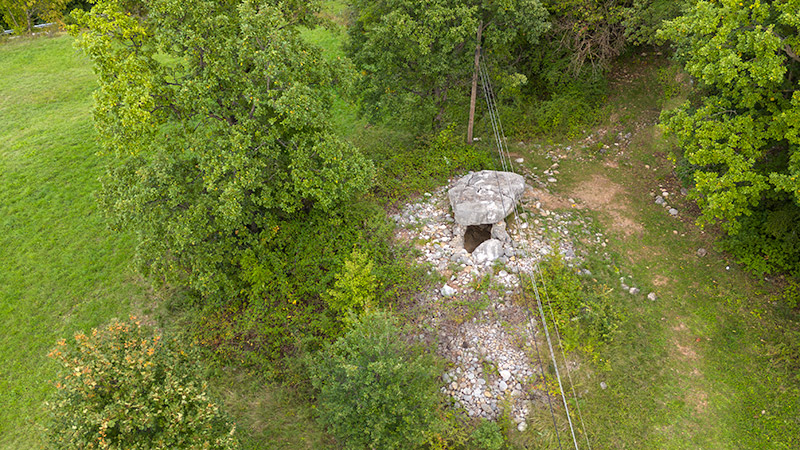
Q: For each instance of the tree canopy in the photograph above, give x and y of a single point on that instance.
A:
(413, 54)
(216, 114)
(742, 131)
(21, 15)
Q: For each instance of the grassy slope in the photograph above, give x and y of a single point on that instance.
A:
(61, 270)
(690, 370)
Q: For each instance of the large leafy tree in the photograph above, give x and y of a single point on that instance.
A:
(216, 114)
(415, 53)
(742, 130)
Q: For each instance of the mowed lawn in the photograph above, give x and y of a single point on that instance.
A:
(61, 270)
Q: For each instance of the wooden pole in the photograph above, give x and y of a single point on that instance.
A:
(474, 94)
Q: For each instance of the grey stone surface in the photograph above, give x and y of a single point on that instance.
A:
(673, 211)
(652, 296)
(485, 197)
(499, 232)
(488, 251)
(447, 291)
(701, 252)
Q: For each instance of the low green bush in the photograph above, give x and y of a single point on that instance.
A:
(375, 390)
(299, 286)
(354, 291)
(585, 315)
(487, 436)
(768, 241)
(122, 387)
(420, 167)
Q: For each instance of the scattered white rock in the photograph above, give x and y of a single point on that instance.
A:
(486, 349)
(652, 296)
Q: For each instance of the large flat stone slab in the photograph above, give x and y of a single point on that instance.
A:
(485, 197)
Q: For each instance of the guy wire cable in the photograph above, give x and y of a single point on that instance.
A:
(497, 128)
(564, 356)
(497, 118)
(558, 335)
(529, 321)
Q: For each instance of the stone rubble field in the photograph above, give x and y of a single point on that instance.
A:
(486, 337)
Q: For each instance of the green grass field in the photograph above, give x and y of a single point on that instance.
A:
(61, 270)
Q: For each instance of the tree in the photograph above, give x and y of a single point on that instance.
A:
(414, 53)
(743, 129)
(216, 115)
(123, 388)
(590, 32)
(20, 15)
(375, 390)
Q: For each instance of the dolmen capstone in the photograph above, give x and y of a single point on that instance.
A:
(481, 201)
(485, 197)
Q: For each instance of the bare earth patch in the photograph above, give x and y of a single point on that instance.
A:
(694, 394)
(660, 280)
(548, 200)
(601, 194)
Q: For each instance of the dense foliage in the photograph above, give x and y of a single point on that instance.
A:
(416, 55)
(742, 130)
(21, 15)
(375, 390)
(216, 115)
(124, 388)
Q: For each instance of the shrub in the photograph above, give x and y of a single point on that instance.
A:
(355, 288)
(768, 241)
(122, 387)
(290, 277)
(487, 436)
(375, 390)
(425, 166)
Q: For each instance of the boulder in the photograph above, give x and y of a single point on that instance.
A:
(485, 197)
(488, 251)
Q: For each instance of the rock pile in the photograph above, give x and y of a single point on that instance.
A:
(490, 367)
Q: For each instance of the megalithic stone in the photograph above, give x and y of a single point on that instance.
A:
(485, 197)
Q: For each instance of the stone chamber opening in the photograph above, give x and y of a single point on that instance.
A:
(476, 235)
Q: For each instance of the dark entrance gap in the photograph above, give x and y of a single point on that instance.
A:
(475, 235)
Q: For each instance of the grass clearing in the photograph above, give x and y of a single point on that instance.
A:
(692, 369)
(62, 270)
